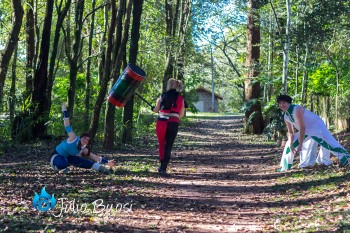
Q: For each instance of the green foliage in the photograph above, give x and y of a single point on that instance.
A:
(322, 80)
(276, 127)
(249, 104)
(5, 18)
(318, 18)
(344, 105)
(5, 127)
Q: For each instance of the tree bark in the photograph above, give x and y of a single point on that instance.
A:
(269, 61)
(73, 59)
(252, 86)
(39, 95)
(30, 41)
(171, 22)
(134, 46)
(286, 47)
(12, 99)
(106, 73)
(87, 72)
(61, 14)
(119, 49)
(11, 43)
(305, 75)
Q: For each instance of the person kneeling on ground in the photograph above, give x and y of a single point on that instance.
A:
(311, 131)
(75, 151)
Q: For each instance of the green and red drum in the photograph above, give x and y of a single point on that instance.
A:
(126, 85)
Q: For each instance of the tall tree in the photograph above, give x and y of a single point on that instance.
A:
(88, 67)
(73, 57)
(30, 40)
(286, 46)
(185, 13)
(12, 97)
(134, 45)
(39, 95)
(171, 18)
(11, 43)
(61, 14)
(121, 38)
(253, 116)
(106, 72)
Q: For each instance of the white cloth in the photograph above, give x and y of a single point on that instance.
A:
(316, 132)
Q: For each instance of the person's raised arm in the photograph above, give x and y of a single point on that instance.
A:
(67, 127)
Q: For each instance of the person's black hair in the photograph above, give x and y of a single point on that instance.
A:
(285, 98)
(169, 99)
(88, 145)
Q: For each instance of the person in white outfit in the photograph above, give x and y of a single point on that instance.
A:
(311, 132)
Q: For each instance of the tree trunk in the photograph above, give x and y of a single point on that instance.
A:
(119, 50)
(106, 73)
(73, 59)
(305, 75)
(11, 43)
(30, 41)
(39, 95)
(337, 75)
(88, 72)
(102, 43)
(134, 45)
(269, 61)
(182, 32)
(297, 70)
(286, 48)
(252, 87)
(61, 14)
(12, 99)
(171, 22)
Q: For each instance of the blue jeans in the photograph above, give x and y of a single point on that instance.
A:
(62, 162)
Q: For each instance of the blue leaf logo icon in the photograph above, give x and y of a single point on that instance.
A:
(44, 201)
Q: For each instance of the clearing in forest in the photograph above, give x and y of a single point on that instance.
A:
(220, 181)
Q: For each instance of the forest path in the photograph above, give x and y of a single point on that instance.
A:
(220, 181)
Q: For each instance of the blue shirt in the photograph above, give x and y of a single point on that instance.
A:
(68, 148)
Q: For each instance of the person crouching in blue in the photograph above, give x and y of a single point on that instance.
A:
(75, 151)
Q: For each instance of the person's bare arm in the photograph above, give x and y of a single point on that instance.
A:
(97, 158)
(157, 107)
(182, 110)
(290, 132)
(299, 115)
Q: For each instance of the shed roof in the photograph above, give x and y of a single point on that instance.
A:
(209, 91)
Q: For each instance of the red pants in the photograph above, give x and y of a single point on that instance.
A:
(166, 132)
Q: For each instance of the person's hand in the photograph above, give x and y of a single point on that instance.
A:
(299, 148)
(64, 107)
(111, 163)
(296, 150)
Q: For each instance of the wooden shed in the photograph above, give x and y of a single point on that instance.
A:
(204, 103)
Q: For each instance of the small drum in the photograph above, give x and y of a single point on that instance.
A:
(126, 85)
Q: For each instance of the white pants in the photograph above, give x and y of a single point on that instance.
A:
(309, 151)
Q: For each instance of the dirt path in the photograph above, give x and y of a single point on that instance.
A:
(221, 181)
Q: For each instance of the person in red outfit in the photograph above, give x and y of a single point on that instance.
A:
(170, 108)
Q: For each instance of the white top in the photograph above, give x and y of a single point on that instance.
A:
(314, 125)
